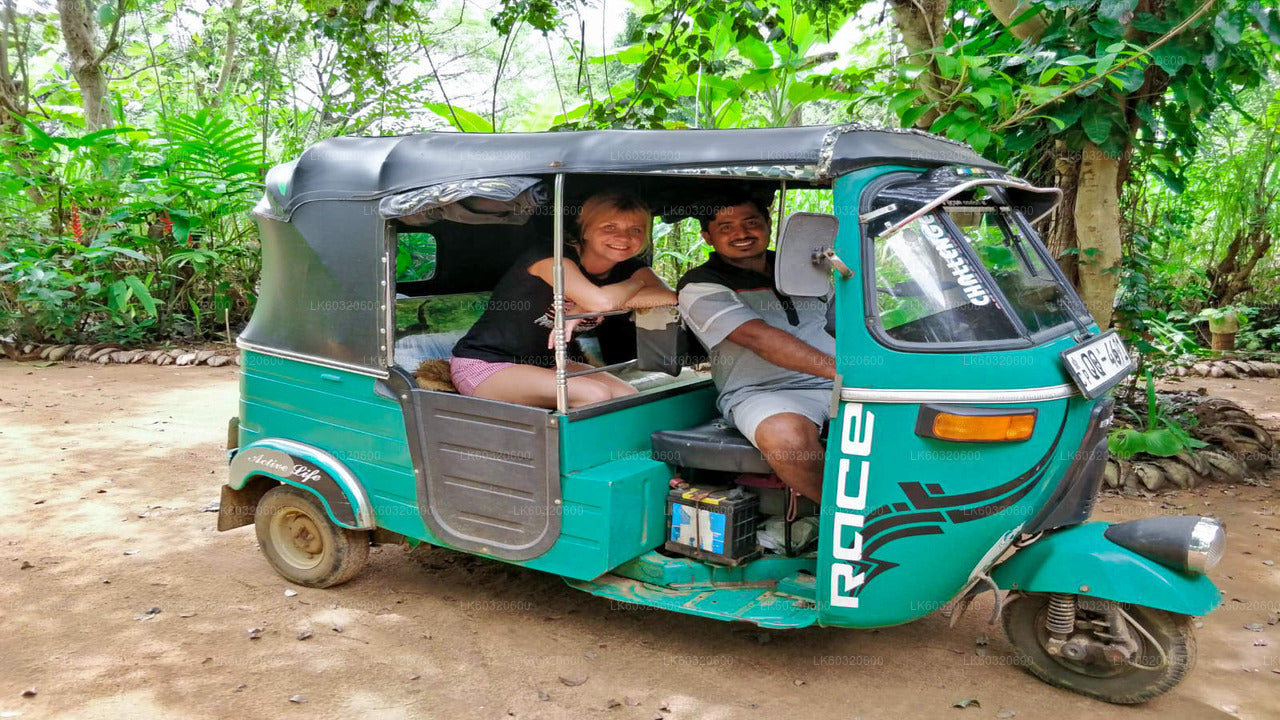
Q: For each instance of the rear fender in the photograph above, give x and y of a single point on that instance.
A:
(300, 465)
(1079, 560)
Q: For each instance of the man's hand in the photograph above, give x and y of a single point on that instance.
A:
(783, 349)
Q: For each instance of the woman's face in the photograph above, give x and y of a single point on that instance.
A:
(616, 235)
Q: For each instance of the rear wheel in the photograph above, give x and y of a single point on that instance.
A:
(302, 544)
(1093, 661)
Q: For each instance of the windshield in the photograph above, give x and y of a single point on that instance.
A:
(927, 291)
(1032, 290)
(955, 262)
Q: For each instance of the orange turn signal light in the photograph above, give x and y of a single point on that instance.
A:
(983, 428)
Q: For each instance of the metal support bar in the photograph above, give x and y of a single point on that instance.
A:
(603, 368)
(557, 298)
(575, 316)
(782, 213)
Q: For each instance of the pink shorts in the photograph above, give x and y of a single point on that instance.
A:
(468, 373)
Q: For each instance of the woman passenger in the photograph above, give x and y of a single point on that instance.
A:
(507, 354)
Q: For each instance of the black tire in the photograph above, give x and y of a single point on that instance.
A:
(1024, 622)
(302, 544)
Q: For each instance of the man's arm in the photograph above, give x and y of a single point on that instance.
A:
(783, 349)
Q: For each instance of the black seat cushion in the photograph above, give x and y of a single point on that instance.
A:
(716, 445)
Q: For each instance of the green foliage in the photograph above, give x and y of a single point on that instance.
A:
(1078, 82)
(1163, 435)
(133, 236)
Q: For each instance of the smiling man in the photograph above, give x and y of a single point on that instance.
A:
(771, 355)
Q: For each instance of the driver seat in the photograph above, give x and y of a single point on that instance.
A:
(716, 445)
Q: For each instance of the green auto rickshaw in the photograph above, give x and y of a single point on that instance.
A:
(968, 420)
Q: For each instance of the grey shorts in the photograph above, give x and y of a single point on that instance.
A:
(813, 403)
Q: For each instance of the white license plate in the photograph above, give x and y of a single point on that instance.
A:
(1098, 364)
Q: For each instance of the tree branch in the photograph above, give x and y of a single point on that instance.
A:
(113, 42)
(1118, 66)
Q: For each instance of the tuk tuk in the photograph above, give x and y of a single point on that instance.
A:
(968, 418)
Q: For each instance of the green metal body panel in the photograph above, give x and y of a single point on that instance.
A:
(934, 513)
(613, 493)
(1080, 560)
(658, 569)
(761, 605)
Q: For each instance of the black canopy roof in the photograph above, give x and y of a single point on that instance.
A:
(364, 168)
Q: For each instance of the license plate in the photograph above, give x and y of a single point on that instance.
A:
(1098, 364)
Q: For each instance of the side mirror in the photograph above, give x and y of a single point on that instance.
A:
(802, 265)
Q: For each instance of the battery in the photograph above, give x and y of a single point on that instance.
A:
(715, 525)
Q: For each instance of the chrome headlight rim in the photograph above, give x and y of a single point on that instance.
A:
(1206, 545)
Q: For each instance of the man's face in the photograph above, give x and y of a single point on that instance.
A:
(739, 232)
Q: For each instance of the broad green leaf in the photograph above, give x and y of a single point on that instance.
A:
(1147, 22)
(1096, 122)
(1172, 57)
(1125, 443)
(125, 251)
(460, 118)
(948, 66)
(1228, 27)
(1161, 443)
(1116, 9)
(1129, 78)
(756, 51)
(914, 113)
(903, 100)
(143, 295)
(106, 14)
(1268, 19)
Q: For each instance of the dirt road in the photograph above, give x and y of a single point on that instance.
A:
(118, 599)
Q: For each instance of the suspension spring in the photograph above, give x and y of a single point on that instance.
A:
(1062, 614)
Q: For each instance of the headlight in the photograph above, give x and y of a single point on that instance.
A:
(1188, 543)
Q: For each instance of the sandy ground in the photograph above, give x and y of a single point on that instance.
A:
(105, 472)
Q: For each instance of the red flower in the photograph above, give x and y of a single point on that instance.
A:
(166, 222)
(77, 229)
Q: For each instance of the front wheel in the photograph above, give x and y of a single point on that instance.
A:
(1124, 654)
(302, 544)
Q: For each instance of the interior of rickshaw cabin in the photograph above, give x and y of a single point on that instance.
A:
(454, 242)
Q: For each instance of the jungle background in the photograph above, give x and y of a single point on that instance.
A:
(134, 134)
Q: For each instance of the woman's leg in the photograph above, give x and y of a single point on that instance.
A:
(616, 385)
(536, 386)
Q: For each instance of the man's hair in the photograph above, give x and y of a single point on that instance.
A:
(711, 206)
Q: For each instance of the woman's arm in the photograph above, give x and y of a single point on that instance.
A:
(586, 295)
(655, 292)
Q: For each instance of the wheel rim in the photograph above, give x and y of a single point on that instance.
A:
(1096, 670)
(296, 537)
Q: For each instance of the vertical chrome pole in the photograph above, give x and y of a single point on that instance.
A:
(557, 299)
(782, 213)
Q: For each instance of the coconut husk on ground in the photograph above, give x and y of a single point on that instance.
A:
(1238, 447)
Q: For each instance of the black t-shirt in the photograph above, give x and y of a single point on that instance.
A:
(519, 317)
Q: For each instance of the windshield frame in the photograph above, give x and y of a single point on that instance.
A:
(1025, 338)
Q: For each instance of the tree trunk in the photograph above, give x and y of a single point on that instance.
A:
(229, 54)
(1097, 224)
(922, 24)
(86, 64)
(1060, 236)
(1006, 11)
(14, 95)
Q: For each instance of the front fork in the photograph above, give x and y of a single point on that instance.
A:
(1095, 631)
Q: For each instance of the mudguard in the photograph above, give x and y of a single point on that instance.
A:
(311, 469)
(1081, 561)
